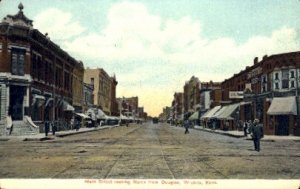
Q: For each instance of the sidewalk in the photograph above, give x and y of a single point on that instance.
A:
(41, 136)
(240, 134)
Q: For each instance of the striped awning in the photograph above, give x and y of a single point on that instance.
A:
(226, 112)
(194, 116)
(210, 113)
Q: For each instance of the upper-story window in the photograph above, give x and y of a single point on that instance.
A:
(92, 81)
(17, 61)
(34, 65)
(285, 79)
(292, 74)
(264, 79)
(292, 84)
(276, 76)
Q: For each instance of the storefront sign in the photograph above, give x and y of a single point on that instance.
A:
(248, 87)
(236, 94)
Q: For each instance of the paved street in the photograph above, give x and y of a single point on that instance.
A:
(149, 151)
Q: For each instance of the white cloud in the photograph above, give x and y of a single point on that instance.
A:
(58, 24)
(147, 48)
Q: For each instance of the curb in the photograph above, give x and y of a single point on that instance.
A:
(263, 140)
(79, 132)
(52, 137)
(38, 139)
(227, 134)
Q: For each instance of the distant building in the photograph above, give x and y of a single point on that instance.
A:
(114, 104)
(88, 99)
(192, 95)
(128, 106)
(177, 106)
(210, 95)
(102, 88)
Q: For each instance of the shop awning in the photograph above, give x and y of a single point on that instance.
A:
(39, 99)
(283, 106)
(226, 111)
(83, 115)
(245, 103)
(68, 107)
(194, 116)
(48, 102)
(124, 117)
(100, 114)
(210, 112)
(111, 117)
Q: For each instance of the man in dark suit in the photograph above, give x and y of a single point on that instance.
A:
(257, 133)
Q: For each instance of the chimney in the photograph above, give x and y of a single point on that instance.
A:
(255, 60)
(264, 57)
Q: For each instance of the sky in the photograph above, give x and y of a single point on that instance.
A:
(154, 47)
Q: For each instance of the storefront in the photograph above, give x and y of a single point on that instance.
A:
(206, 118)
(228, 116)
(282, 112)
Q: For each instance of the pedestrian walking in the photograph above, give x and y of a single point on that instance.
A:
(257, 133)
(77, 123)
(46, 123)
(186, 125)
(53, 128)
(245, 127)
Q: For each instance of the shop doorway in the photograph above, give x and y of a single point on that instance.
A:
(16, 99)
(282, 126)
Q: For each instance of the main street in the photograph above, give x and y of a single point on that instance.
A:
(149, 151)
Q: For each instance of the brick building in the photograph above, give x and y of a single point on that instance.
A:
(114, 104)
(268, 90)
(191, 95)
(177, 107)
(36, 75)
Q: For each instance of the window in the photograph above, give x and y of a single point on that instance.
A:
(276, 76)
(292, 74)
(292, 84)
(39, 68)
(34, 65)
(264, 80)
(92, 81)
(276, 85)
(58, 77)
(285, 79)
(67, 81)
(285, 84)
(17, 61)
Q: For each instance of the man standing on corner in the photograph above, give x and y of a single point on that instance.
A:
(257, 133)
